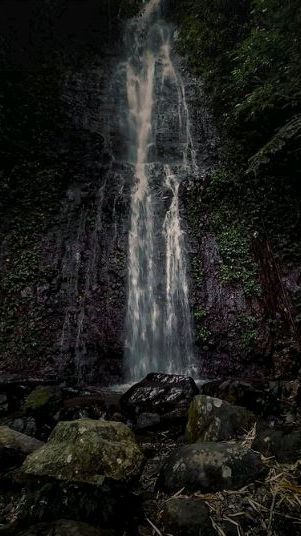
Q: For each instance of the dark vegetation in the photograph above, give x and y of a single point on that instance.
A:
(248, 54)
(40, 152)
(40, 41)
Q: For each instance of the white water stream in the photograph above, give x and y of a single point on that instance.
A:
(159, 328)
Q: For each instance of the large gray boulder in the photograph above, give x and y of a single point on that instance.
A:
(210, 467)
(87, 451)
(84, 472)
(212, 419)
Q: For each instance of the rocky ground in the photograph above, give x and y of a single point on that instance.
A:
(166, 457)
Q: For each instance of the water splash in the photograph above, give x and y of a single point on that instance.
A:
(177, 319)
(142, 314)
(159, 332)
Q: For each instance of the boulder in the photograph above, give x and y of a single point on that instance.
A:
(212, 419)
(84, 473)
(164, 394)
(14, 447)
(43, 401)
(25, 425)
(290, 400)
(64, 527)
(257, 396)
(87, 451)
(187, 517)
(283, 443)
(147, 420)
(15, 388)
(210, 467)
(3, 404)
(108, 504)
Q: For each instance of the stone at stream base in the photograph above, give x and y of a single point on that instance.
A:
(212, 419)
(109, 505)
(164, 394)
(83, 473)
(284, 444)
(43, 404)
(3, 404)
(87, 451)
(83, 407)
(14, 447)
(258, 397)
(44, 400)
(210, 467)
(65, 527)
(187, 517)
(147, 420)
(24, 425)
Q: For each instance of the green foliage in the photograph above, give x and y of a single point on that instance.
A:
(290, 131)
(200, 314)
(38, 398)
(248, 53)
(197, 272)
(232, 228)
(249, 331)
(203, 335)
(238, 264)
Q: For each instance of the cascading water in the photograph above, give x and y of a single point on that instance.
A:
(159, 332)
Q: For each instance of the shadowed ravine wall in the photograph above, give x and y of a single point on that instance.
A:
(65, 197)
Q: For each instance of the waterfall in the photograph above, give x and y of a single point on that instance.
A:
(158, 323)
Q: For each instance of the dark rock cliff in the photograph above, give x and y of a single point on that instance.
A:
(65, 193)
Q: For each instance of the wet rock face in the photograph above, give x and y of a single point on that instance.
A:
(212, 419)
(87, 451)
(164, 394)
(210, 467)
(76, 299)
(147, 420)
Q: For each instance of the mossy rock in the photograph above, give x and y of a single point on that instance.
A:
(43, 400)
(210, 467)
(87, 451)
(212, 419)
